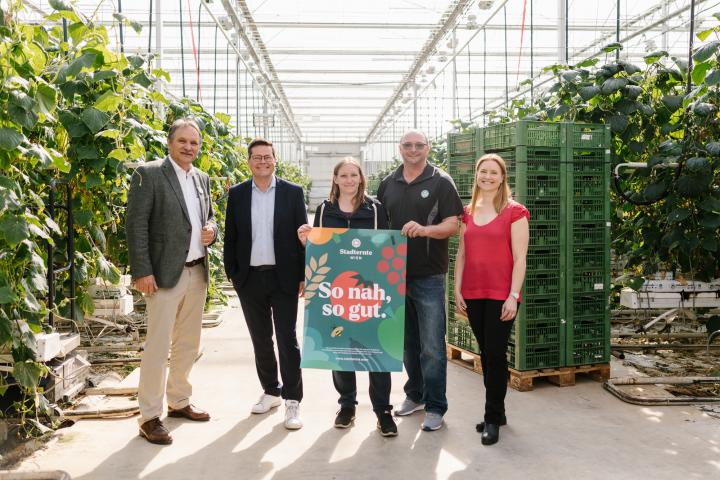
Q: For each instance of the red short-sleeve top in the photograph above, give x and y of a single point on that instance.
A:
(488, 254)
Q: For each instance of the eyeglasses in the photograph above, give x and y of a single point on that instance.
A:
(409, 146)
(262, 158)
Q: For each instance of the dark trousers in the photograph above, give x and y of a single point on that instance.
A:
(346, 386)
(265, 305)
(492, 337)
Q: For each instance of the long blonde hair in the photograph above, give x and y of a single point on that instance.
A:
(503, 195)
(335, 189)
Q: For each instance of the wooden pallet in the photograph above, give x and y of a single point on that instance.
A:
(455, 355)
(562, 377)
(522, 381)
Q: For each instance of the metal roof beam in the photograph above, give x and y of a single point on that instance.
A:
(253, 46)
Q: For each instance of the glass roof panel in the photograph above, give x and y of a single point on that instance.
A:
(332, 70)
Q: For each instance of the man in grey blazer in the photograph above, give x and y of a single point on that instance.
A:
(169, 226)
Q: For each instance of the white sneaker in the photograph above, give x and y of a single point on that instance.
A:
(292, 415)
(265, 403)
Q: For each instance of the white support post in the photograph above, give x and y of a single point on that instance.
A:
(562, 40)
(158, 33)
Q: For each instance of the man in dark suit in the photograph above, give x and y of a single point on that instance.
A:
(169, 226)
(265, 261)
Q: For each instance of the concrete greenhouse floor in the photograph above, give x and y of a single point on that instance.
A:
(578, 432)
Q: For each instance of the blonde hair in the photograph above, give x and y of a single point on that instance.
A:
(503, 195)
(335, 189)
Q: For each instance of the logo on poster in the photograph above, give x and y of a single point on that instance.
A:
(356, 242)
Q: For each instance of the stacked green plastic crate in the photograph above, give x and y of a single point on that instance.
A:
(561, 172)
(463, 150)
(533, 152)
(588, 250)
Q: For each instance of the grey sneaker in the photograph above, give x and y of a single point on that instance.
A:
(433, 421)
(408, 407)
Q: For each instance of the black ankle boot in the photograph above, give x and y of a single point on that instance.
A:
(480, 427)
(491, 434)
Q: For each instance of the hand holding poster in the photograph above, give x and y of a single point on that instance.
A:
(354, 300)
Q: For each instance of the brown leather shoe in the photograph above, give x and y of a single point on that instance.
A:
(190, 412)
(155, 432)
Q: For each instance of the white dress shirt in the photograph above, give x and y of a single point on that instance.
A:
(262, 213)
(192, 202)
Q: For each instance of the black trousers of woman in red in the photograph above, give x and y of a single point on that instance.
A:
(492, 336)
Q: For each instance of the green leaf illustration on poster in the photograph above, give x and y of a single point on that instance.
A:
(354, 300)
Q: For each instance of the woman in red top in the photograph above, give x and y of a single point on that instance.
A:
(489, 271)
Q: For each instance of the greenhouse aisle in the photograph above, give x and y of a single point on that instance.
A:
(575, 432)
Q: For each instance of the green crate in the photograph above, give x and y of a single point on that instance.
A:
(522, 357)
(588, 258)
(456, 334)
(464, 186)
(543, 235)
(461, 336)
(462, 164)
(479, 140)
(542, 283)
(588, 135)
(469, 142)
(586, 352)
(536, 333)
(540, 308)
(589, 184)
(453, 244)
(590, 304)
(522, 133)
(542, 211)
(539, 185)
(589, 329)
(594, 233)
(543, 258)
(585, 161)
(462, 171)
(460, 143)
(589, 209)
(587, 280)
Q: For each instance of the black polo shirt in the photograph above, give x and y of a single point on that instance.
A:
(427, 200)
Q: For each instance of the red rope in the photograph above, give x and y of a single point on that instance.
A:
(195, 53)
(522, 34)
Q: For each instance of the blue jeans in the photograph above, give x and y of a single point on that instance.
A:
(425, 356)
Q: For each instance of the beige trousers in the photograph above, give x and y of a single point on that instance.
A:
(174, 326)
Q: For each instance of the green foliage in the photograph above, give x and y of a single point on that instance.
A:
(76, 112)
(654, 120)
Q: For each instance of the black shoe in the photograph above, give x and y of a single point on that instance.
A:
(386, 424)
(491, 434)
(480, 427)
(345, 417)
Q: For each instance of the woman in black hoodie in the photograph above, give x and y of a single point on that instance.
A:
(349, 207)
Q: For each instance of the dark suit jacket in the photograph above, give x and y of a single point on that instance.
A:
(157, 223)
(289, 215)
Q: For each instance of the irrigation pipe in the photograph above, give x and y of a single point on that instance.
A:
(612, 384)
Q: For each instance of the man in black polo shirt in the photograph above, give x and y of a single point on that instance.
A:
(424, 205)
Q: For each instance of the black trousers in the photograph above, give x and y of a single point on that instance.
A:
(346, 386)
(492, 337)
(264, 306)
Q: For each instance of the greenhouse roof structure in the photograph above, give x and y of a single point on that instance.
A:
(329, 71)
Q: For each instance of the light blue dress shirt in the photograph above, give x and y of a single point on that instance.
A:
(262, 213)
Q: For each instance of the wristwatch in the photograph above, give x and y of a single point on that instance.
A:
(515, 295)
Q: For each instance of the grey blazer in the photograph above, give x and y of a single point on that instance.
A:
(157, 223)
